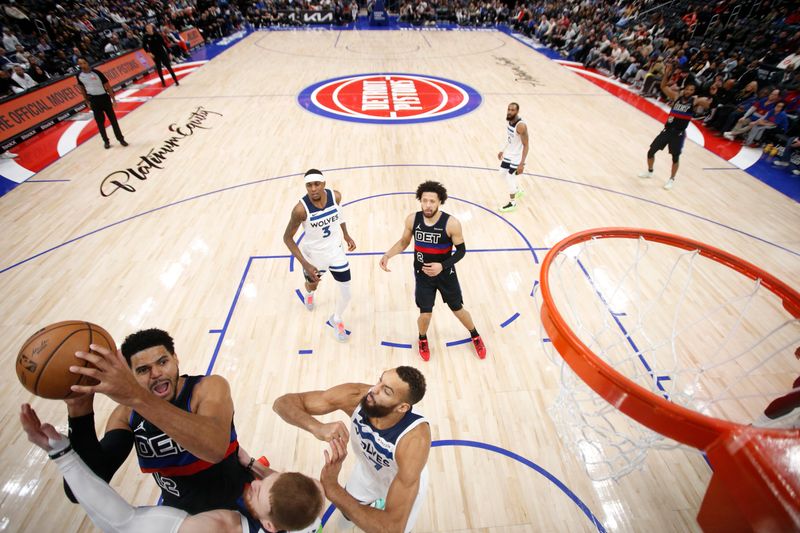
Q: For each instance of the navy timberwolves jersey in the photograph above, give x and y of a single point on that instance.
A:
(680, 115)
(187, 482)
(431, 243)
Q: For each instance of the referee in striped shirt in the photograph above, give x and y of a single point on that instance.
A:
(100, 97)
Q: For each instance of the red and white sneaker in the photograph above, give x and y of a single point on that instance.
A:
(479, 346)
(424, 351)
(308, 300)
(339, 331)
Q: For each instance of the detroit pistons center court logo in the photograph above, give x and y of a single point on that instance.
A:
(383, 98)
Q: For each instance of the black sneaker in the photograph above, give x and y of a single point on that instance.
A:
(123, 142)
(106, 144)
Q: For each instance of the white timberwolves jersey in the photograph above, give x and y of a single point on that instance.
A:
(513, 152)
(375, 454)
(322, 226)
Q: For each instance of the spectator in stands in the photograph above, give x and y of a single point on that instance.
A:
(22, 80)
(727, 115)
(38, 74)
(20, 57)
(758, 110)
(155, 44)
(6, 84)
(5, 62)
(129, 42)
(775, 120)
(112, 48)
(10, 40)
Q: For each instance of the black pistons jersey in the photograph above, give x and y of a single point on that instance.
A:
(680, 115)
(431, 243)
(187, 482)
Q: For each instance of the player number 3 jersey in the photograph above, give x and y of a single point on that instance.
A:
(322, 226)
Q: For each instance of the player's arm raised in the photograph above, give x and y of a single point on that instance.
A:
(299, 409)
(400, 245)
(522, 129)
(412, 455)
(297, 217)
(668, 91)
(351, 244)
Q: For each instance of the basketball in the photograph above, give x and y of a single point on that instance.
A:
(44, 359)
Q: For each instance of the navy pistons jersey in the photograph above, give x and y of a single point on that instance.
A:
(322, 225)
(375, 448)
(187, 482)
(431, 243)
(680, 115)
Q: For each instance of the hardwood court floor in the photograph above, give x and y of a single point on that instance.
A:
(193, 250)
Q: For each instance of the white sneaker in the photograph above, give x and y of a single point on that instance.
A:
(646, 174)
(669, 184)
(308, 300)
(8, 155)
(728, 135)
(339, 331)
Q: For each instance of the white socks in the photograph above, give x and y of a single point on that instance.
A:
(343, 300)
(511, 181)
(107, 510)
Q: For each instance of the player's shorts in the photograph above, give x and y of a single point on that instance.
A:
(446, 283)
(509, 166)
(332, 259)
(672, 138)
(366, 488)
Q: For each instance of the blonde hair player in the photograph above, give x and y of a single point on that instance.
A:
(512, 156)
(391, 443)
(275, 502)
(320, 213)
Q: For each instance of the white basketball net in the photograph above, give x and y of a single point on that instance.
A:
(681, 325)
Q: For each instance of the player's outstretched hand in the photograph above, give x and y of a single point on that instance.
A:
(332, 431)
(113, 373)
(34, 428)
(333, 463)
(385, 263)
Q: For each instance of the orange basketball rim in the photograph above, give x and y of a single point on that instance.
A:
(756, 480)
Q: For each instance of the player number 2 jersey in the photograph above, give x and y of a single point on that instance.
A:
(322, 226)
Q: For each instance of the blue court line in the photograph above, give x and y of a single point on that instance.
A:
(42, 181)
(227, 323)
(300, 295)
(395, 345)
(724, 168)
(509, 320)
(215, 331)
(405, 165)
(546, 339)
(425, 38)
(535, 286)
(456, 343)
(305, 352)
(518, 458)
(336, 43)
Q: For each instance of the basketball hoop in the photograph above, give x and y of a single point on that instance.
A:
(692, 344)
